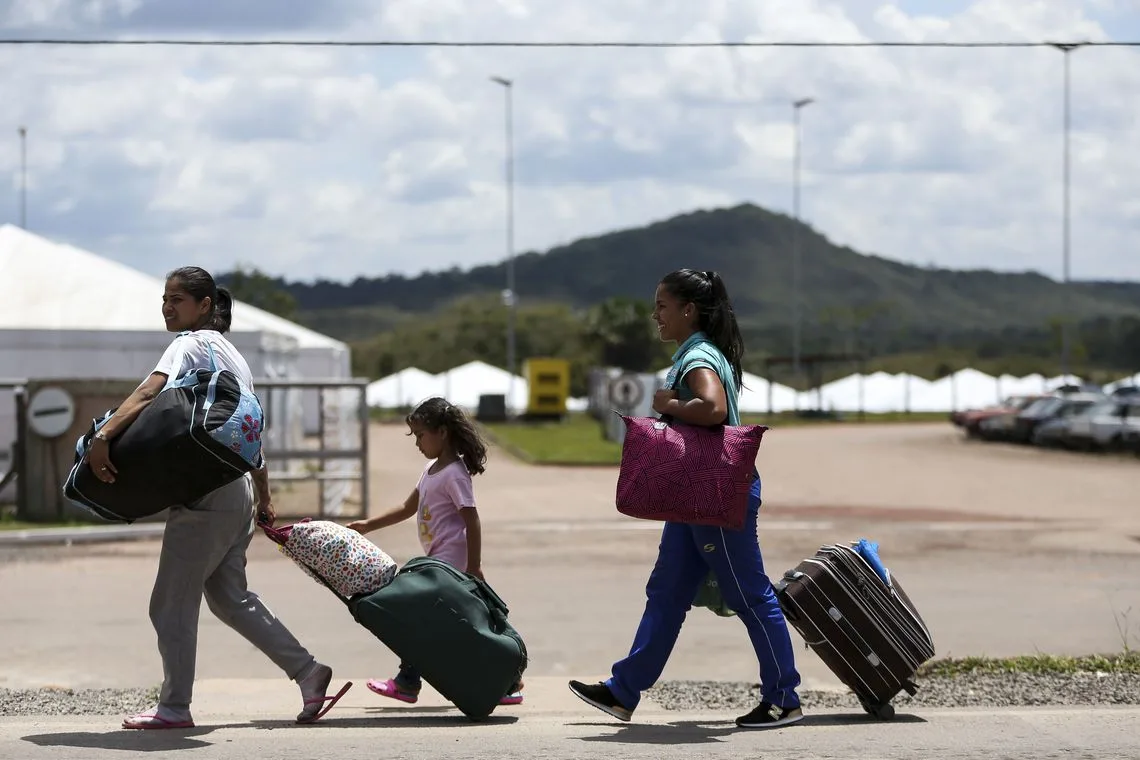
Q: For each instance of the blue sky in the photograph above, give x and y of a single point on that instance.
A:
(336, 163)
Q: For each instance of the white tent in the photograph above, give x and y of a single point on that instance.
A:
(319, 357)
(758, 392)
(407, 387)
(411, 385)
(1053, 383)
(464, 384)
(1124, 382)
(844, 394)
(1008, 385)
(754, 396)
(68, 313)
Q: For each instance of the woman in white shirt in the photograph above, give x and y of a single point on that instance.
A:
(204, 544)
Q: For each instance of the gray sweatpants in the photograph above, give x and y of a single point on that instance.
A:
(203, 552)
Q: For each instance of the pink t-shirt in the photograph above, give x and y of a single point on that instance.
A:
(443, 532)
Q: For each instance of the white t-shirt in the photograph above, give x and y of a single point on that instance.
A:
(188, 351)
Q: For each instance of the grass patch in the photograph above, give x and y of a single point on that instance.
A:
(8, 521)
(1034, 664)
(14, 524)
(788, 419)
(578, 439)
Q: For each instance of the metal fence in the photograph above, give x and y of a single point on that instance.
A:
(34, 468)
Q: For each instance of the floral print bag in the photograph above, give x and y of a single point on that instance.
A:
(338, 557)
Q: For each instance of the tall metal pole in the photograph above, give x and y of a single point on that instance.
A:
(23, 178)
(796, 306)
(509, 296)
(1066, 252)
(1066, 120)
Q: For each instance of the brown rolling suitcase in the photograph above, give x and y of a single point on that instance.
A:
(864, 628)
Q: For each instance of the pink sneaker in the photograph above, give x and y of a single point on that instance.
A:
(514, 698)
(392, 691)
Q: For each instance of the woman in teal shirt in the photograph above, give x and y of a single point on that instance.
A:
(693, 310)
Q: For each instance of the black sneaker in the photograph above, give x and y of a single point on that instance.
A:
(600, 696)
(767, 715)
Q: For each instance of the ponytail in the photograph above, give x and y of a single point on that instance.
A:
(707, 291)
(719, 323)
(223, 312)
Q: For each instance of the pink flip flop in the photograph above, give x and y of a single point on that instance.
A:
(392, 691)
(153, 721)
(514, 698)
(331, 702)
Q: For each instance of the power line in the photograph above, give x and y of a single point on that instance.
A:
(554, 44)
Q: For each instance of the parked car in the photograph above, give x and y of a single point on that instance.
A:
(971, 420)
(1026, 421)
(1054, 432)
(999, 427)
(1132, 442)
(1108, 424)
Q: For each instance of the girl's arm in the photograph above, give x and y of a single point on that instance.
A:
(99, 453)
(474, 541)
(391, 517)
(709, 405)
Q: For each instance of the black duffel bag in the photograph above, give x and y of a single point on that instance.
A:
(200, 433)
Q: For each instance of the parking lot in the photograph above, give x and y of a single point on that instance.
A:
(1073, 418)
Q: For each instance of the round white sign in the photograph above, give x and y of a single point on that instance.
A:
(51, 412)
(625, 391)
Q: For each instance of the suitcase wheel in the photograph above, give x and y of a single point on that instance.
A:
(884, 711)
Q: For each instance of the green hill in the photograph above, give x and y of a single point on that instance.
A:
(752, 248)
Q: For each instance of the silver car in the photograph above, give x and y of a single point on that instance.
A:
(1108, 424)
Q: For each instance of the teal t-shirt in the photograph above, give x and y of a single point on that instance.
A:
(699, 351)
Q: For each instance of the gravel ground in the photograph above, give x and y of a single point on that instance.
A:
(1013, 690)
(962, 691)
(24, 702)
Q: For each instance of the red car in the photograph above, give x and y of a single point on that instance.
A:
(970, 419)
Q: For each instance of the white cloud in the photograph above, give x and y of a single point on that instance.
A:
(339, 162)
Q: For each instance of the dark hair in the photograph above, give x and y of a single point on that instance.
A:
(438, 413)
(200, 284)
(707, 292)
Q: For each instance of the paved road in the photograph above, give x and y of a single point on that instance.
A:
(246, 722)
(988, 540)
(945, 735)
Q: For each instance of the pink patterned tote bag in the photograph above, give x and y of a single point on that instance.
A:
(336, 556)
(687, 473)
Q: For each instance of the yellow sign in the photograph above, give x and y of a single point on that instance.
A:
(548, 386)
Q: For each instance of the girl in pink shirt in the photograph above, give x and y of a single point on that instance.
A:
(444, 505)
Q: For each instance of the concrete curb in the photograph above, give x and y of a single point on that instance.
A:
(81, 535)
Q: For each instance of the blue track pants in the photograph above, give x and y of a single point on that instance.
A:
(684, 558)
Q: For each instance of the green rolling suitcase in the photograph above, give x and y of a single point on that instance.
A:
(452, 627)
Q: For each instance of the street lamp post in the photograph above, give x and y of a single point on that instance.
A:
(509, 294)
(797, 106)
(23, 178)
(1066, 120)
